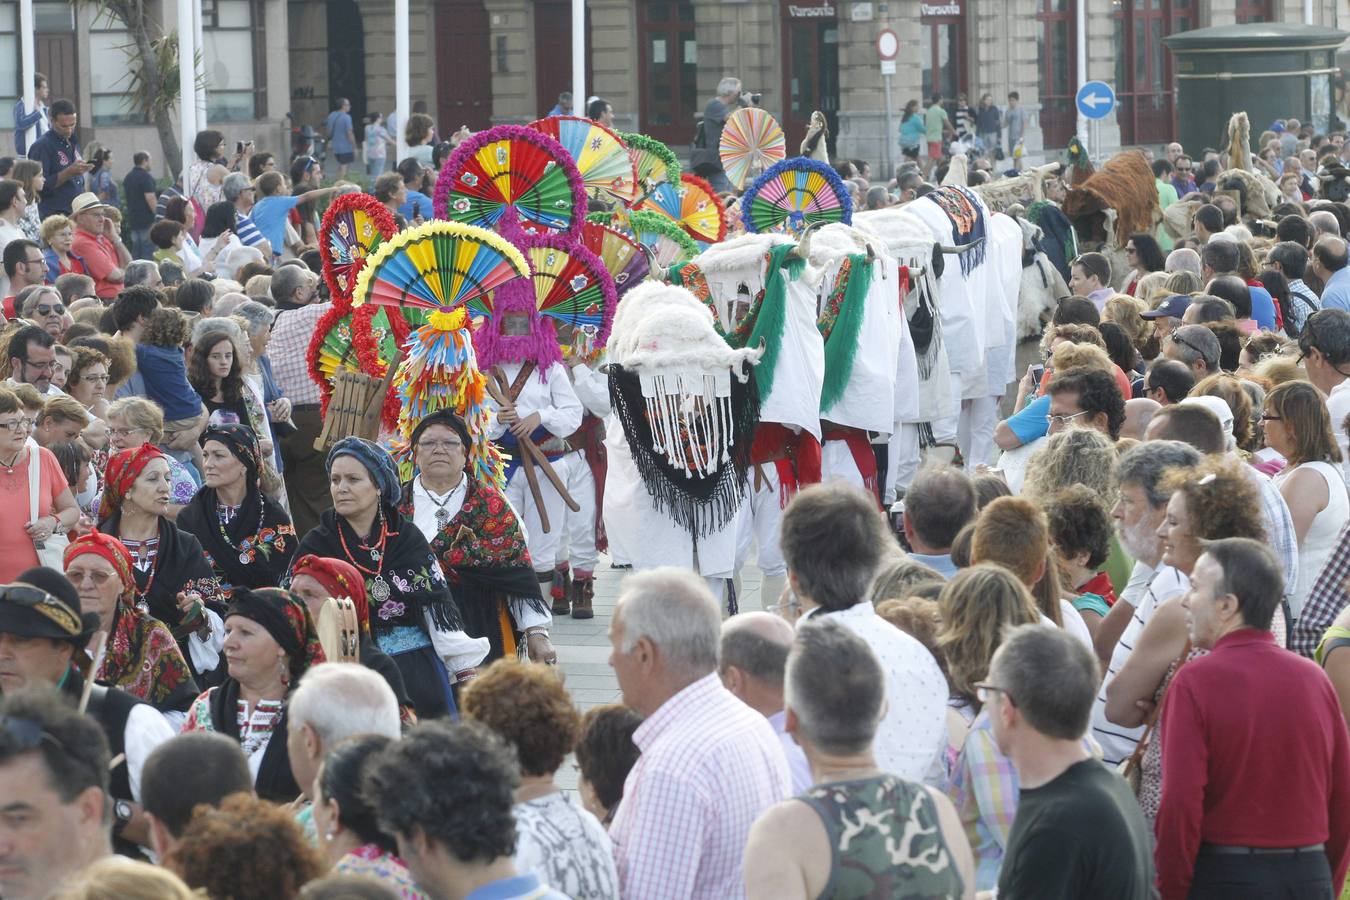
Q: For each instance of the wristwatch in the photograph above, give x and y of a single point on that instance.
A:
(122, 813)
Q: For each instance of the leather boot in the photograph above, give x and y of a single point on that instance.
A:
(559, 589)
(583, 591)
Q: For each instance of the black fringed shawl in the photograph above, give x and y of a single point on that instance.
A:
(275, 782)
(699, 503)
(408, 567)
(967, 223)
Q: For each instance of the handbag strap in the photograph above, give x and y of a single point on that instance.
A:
(1137, 757)
(33, 478)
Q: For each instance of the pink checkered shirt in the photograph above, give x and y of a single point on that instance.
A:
(288, 349)
(709, 766)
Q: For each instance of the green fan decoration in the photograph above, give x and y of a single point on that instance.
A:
(656, 163)
(663, 236)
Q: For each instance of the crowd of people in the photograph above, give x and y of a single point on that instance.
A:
(1150, 577)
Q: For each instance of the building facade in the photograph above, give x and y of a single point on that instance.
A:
(484, 62)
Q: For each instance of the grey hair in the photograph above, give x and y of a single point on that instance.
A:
(286, 280)
(1050, 676)
(835, 686)
(673, 609)
(235, 184)
(1188, 337)
(339, 700)
(202, 328)
(1144, 465)
(139, 272)
(226, 304)
(257, 316)
(728, 86)
(34, 297)
(1325, 222)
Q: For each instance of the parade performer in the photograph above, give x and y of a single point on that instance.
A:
(582, 468)
(518, 351)
(688, 406)
(753, 286)
(474, 533)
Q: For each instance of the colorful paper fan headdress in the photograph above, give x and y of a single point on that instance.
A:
(574, 292)
(353, 228)
(511, 179)
(663, 236)
(601, 156)
(656, 163)
(795, 194)
(693, 205)
(752, 141)
(436, 270)
(620, 254)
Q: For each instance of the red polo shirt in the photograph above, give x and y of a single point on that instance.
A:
(100, 258)
(1255, 753)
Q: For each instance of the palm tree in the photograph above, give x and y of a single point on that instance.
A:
(152, 79)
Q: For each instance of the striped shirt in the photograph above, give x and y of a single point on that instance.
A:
(1118, 743)
(1326, 599)
(246, 231)
(709, 766)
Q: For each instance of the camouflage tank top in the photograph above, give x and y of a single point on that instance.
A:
(885, 840)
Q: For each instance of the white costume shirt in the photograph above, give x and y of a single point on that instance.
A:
(555, 400)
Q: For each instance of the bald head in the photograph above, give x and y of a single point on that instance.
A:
(1138, 413)
(754, 659)
(1325, 222)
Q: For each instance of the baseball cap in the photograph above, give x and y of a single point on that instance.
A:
(1174, 306)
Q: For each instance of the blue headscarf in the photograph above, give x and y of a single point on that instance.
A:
(381, 466)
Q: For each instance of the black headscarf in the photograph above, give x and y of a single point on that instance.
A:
(254, 549)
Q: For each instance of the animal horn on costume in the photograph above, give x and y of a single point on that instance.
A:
(655, 270)
(803, 248)
(963, 249)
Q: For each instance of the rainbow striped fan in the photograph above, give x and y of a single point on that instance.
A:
(693, 204)
(619, 253)
(794, 194)
(656, 163)
(573, 290)
(438, 266)
(600, 155)
(332, 345)
(511, 179)
(664, 237)
(751, 142)
(353, 228)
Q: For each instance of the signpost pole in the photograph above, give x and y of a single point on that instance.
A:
(891, 137)
(27, 68)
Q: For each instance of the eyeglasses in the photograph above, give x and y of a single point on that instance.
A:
(35, 262)
(57, 611)
(309, 161)
(94, 379)
(125, 432)
(433, 446)
(47, 309)
(1267, 417)
(18, 425)
(41, 366)
(985, 692)
(1064, 420)
(100, 577)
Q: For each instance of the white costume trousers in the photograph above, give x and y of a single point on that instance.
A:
(576, 544)
(543, 545)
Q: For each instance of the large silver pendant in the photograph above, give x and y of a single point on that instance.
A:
(243, 557)
(379, 589)
(442, 516)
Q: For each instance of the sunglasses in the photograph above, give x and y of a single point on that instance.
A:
(1185, 343)
(47, 309)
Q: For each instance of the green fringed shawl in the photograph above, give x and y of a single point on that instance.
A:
(768, 312)
(840, 324)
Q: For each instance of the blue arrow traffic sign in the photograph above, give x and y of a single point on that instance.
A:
(1095, 100)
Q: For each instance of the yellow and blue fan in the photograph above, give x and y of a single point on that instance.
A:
(601, 156)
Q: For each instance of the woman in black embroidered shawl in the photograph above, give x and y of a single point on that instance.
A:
(271, 642)
(478, 539)
(247, 537)
(413, 617)
(174, 581)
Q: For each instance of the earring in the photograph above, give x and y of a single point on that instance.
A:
(285, 672)
(329, 835)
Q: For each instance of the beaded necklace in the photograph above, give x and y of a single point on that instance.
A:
(379, 588)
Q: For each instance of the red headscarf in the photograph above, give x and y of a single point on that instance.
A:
(124, 467)
(109, 548)
(339, 578)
